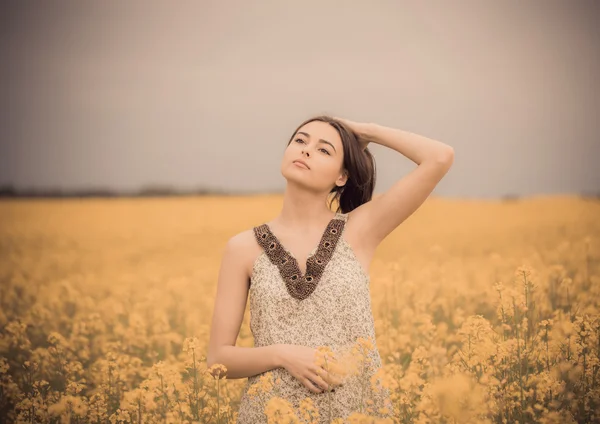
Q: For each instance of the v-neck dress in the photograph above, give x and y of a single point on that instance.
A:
(328, 305)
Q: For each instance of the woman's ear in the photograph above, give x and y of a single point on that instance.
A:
(342, 179)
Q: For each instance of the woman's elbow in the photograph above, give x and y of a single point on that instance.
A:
(211, 357)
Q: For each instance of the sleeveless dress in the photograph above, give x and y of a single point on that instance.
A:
(328, 306)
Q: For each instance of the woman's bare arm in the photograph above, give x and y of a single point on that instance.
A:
(230, 303)
(371, 222)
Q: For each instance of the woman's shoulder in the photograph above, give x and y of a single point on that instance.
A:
(245, 247)
(244, 239)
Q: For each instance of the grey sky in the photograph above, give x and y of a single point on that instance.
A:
(206, 93)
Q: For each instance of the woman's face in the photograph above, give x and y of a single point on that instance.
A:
(319, 145)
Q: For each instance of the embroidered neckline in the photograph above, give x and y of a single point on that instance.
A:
(298, 285)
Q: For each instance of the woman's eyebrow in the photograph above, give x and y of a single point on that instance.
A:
(321, 140)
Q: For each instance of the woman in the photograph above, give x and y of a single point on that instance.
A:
(306, 273)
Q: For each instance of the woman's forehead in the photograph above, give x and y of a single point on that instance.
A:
(320, 130)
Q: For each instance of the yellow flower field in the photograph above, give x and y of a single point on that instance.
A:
(486, 311)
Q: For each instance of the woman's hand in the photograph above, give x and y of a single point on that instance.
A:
(361, 129)
(302, 363)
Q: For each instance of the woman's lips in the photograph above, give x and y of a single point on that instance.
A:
(300, 164)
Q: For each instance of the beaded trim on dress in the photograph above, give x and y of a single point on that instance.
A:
(301, 286)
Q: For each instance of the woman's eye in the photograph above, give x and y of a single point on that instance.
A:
(299, 140)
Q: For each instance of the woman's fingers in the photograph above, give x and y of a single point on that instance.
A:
(320, 382)
(329, 377)
(311, 386)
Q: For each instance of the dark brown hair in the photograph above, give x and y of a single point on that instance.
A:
(359, 163)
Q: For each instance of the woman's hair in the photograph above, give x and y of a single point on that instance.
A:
(359, 163)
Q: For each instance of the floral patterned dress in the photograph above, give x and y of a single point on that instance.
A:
(328, 307)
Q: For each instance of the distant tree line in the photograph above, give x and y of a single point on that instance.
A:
(8, 191)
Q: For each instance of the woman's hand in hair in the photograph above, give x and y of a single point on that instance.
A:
(361, 129)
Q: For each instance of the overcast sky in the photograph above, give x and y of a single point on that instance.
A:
(113, 94)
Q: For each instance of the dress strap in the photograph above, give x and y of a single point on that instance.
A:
(342, 216)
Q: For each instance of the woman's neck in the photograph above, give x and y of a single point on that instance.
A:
(303, 210)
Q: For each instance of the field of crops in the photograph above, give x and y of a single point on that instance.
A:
(486, 311)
